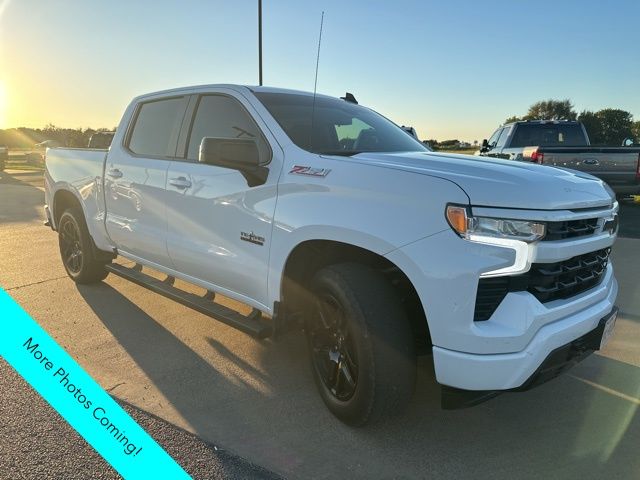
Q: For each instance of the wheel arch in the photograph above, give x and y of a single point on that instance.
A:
(309, 256)
(62, 200)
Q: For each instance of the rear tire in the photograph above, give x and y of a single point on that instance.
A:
(76, 249)
(360, 343)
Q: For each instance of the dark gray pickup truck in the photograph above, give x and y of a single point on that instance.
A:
(566, 144)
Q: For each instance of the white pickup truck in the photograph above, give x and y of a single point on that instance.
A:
(318, 212)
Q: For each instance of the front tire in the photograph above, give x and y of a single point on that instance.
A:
(360, 343)
(76, 249)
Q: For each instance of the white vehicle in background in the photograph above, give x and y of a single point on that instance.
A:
(318, 212)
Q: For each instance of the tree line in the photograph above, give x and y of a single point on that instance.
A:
(24, 137)
(609, 126)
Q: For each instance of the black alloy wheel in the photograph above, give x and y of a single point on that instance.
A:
(361, 346)
(70, 245)
(333, 352)
(77, 249)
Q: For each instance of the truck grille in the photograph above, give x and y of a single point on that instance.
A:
(570, 229)
(545, 281)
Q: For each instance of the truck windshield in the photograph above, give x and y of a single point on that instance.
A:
(338, 127)
(549, 135)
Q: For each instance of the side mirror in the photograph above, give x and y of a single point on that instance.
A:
(236, 153)
(628, 142)
(411, 131)
(485, 143)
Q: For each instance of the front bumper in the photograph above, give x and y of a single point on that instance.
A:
(558, 361)
(507, 371)
(504, 351)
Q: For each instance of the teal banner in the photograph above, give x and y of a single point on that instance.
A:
(79, 399)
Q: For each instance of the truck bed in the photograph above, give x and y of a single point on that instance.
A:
(78, 171)
(618, 166)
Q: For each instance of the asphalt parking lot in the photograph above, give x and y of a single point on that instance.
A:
(257, 399)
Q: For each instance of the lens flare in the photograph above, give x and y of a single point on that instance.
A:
(3, 105)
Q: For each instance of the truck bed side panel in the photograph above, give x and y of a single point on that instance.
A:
(80, 172)
(616, 166)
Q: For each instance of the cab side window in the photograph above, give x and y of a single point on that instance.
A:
(503, 137)
(493, 140)
(157, 126)
(221, 116)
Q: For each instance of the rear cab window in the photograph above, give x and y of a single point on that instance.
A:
(549, 135)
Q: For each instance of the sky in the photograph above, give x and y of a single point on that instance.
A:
(451, 69)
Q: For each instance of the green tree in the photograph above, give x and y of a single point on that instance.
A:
(547, 110)
(616, 125)
(593, 125)
(551, 110)
(635, 129)
(449, 143)
(432, 142)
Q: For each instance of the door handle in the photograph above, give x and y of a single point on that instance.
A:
(180, 182)
(591, 161)
(114, 173)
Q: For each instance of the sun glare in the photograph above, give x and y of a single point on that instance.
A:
(3, 105)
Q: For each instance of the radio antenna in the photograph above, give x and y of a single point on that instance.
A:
(315, 83)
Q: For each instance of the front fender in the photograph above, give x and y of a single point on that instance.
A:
(373, 208)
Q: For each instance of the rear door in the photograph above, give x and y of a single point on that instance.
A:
(136, 177)
(219, 228)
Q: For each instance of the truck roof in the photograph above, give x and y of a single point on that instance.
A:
(542, 122)
(252, 88)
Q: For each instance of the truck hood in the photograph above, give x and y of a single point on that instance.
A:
(502, 183)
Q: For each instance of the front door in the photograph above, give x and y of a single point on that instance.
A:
(135, 180)
(219, 228)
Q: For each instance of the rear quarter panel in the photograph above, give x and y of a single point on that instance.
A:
(79, 171)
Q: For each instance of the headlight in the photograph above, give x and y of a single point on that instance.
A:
(472, 228)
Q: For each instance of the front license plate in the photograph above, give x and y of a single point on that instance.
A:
(608, 329)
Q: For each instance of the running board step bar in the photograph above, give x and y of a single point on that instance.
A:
(249, 324)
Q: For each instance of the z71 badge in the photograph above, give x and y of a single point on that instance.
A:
(310, 171)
